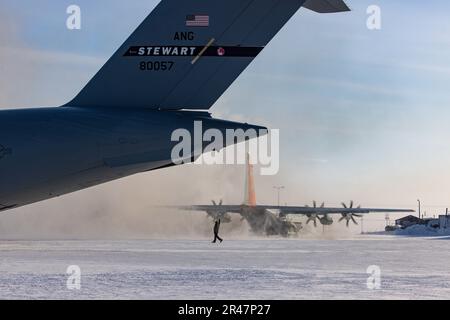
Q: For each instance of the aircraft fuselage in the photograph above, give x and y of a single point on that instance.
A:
(264, 222)
(48, 152)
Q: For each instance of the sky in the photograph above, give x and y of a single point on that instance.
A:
(363, 114)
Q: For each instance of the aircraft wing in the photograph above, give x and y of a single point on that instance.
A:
(223, 208)
(337, 210)
(291, 209)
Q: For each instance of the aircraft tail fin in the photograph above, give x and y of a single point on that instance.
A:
(250, 195)
(185, 54)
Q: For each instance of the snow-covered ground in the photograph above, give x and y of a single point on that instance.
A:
(248, 269)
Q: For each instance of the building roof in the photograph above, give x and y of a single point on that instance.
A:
(409, 218)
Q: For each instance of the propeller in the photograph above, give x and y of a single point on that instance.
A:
(313, 216)
(349, 216)
(218, 212)
(315, 204)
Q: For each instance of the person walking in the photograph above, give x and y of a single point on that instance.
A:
(216, 231)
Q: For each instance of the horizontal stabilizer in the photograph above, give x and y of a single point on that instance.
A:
(326, 6)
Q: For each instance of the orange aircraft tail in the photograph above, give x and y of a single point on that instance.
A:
(250, 196)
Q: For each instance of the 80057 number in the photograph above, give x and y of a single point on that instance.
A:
(156, 65)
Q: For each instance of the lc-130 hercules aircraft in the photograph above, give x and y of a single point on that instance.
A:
(269, 220)
(165, 76)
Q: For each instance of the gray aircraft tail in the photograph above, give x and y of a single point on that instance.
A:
(187, 53)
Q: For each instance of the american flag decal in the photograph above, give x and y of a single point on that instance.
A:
(196, 20)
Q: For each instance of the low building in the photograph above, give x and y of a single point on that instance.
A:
(432, 223)
(408, 221)
(444, 222)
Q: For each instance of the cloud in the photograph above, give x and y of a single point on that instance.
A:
(24, 69)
